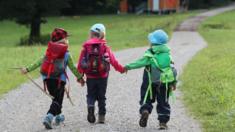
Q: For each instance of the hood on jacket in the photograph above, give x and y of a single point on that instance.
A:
(160, 49)
(94, 41)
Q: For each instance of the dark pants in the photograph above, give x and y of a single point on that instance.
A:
(159, 94)
(96, 90)
(57, 91)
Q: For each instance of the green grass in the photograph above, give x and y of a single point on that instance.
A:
(209, 79)
(15, 57)
(123, 31)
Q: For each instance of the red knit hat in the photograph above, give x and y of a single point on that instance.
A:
(58, 34)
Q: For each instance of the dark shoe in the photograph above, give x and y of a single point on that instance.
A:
(91, 115)
(101, 119)
(144, 118)
(163, 126)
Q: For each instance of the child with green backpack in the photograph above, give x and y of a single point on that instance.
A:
(159, 78)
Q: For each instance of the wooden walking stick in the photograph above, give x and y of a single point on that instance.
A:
(31, 79)
(68, 96)
(67, 90)
(38, 86)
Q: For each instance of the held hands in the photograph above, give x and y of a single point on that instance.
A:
(124, 71)
(81, 81)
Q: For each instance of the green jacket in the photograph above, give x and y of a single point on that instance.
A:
(161, 52)
(70, 64)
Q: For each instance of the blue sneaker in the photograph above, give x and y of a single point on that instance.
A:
(59, 119)
(47, 121)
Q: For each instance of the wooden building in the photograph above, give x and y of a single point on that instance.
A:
(152, 6)
(123, 6)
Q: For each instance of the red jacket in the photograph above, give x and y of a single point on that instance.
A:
(113, 60)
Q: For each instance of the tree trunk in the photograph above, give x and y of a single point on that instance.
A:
(35, 25)
(185, 5)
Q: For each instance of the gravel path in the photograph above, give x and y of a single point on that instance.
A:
(23, 109)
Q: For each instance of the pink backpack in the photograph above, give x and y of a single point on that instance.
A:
(94, 60)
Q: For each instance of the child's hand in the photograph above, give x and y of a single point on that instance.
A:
(23, 70)
(124, 71)
(173, 87)
(81, 81)
(106, 57)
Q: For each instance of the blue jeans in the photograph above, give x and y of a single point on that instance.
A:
(96, 90)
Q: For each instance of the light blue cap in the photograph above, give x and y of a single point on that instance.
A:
(98, 28)
(158, 37)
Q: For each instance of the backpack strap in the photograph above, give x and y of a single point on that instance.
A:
(85, 54)
(105, 48)
(44, 85)
(149, 89)
(152, 58)
(102, 45)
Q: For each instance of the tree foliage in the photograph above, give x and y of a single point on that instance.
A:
(30, 13)
(195, 4)
(133, 4)
(92, 7)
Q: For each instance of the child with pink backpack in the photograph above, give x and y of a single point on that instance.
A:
(94, 62)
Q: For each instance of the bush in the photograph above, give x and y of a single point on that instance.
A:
(42, 40)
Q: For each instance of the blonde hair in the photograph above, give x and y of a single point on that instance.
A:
(64, 40)
(100, 35)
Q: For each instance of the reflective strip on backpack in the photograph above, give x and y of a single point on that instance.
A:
(149, 89)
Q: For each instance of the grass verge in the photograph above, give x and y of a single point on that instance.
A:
(209, 79)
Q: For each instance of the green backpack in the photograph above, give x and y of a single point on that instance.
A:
(157, 74)
(162, 75)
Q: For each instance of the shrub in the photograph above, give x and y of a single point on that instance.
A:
(41, 40)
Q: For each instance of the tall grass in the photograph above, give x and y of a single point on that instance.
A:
(209, 79)
(124, 31)
(15, 57)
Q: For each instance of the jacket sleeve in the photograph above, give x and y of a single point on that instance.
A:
(113, 61)
(79, 61)
(35, 65)
(142, 62)
(73, 68)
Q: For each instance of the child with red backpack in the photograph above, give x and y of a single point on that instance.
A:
(94, 62)
(53, 70)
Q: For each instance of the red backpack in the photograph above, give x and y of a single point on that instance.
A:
(94, 60)
(53, 63)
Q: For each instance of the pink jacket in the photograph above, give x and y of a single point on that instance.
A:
(113, 60)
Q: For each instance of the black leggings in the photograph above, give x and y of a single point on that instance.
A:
(57, 91)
